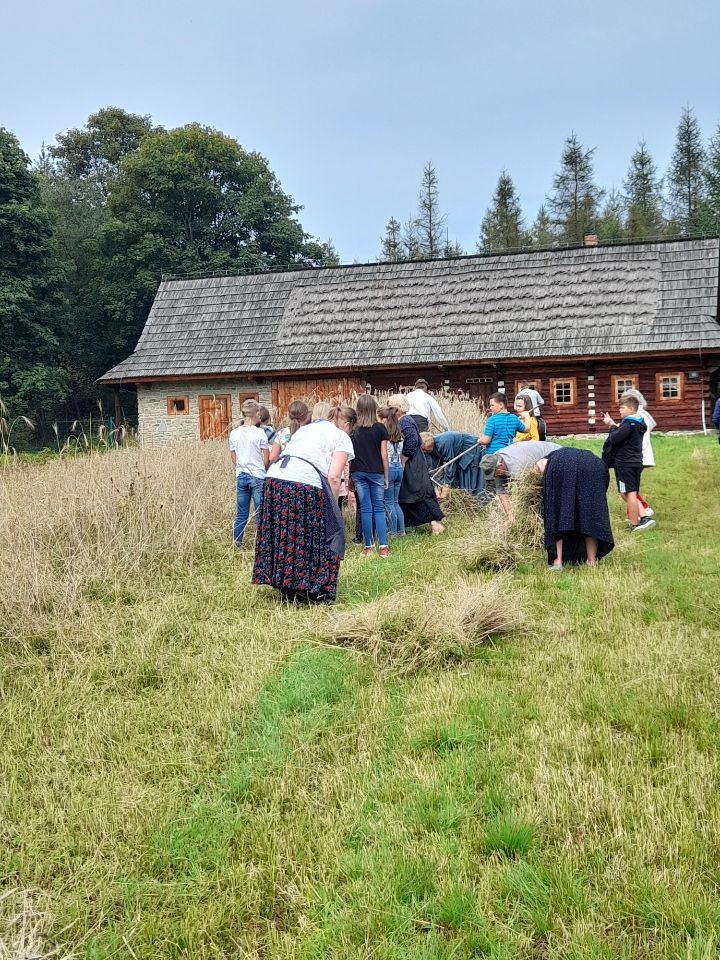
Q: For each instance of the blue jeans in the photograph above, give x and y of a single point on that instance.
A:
(370, 490)
(393, 510)
(247, 487)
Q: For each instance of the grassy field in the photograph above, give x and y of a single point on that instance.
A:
(192, 770)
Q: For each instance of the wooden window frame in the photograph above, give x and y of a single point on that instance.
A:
(658, 387)
(635, 384)
(170, 405)
(535, 385)
(572, 402)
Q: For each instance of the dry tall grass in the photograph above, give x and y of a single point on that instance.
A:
(73, 523)
(494, 544)
(462, 413)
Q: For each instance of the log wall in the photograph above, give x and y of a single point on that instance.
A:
(593, 384)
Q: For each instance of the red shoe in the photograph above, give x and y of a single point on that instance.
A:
(367, 551)
(384, 552)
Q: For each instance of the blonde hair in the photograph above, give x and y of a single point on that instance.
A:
(427, 437)
(321, 410)
(399, 402)
(250, 408)
(366, 409)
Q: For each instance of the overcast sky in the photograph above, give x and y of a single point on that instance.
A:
(349, 100)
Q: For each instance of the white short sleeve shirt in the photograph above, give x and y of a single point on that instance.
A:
(248, 443)
(316, 442)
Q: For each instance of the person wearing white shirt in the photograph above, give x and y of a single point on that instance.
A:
(249, 452)
(532, 394)
(425, 409)
(300, 539)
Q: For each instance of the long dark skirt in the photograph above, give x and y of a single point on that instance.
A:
(575, 504)
(290, 550)
(422, 512)
(417, 494)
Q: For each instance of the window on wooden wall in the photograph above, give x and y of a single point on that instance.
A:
(563, 392)
(178, 406)
(621, 384)
(533, 384)
(669, 386)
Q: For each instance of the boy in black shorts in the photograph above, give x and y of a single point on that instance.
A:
(623, 452)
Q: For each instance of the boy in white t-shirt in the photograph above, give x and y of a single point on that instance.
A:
(249, 452)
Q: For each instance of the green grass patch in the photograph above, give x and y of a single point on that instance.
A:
(185, 775)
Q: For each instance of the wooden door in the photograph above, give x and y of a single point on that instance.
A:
(310, 390)
(215, 414)
(480, 388)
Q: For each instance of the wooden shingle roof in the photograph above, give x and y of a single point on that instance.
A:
(560, 303)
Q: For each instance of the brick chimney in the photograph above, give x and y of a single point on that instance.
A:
(590, 240)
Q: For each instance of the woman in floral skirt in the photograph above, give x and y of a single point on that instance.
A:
(301, 535)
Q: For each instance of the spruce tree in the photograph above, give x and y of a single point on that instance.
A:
(643, 197)
(452, 249)
(392, 248)
(710, 206)
(409, 242)
(575, 200)
(429, 222)
(685, 178)
(541, 233)
(502, 227)
(611, 222)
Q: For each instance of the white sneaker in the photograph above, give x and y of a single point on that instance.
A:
(645, 524)
(649, 512)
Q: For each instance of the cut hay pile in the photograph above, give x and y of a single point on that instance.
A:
(494, 544)
(414, 629)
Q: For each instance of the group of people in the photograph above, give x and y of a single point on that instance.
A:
(300, 477)
(575, 482)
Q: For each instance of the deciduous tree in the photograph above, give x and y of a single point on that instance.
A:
(192, 200)
(32, 381)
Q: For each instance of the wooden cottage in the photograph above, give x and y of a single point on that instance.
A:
(581, 324)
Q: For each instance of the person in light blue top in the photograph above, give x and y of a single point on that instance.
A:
(501, 426)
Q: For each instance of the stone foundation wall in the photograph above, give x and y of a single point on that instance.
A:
(156, 426)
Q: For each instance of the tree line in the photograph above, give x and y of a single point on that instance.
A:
(88, 229)
(683, 202)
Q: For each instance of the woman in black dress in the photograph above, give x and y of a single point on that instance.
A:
(417, 494)
(575, 508)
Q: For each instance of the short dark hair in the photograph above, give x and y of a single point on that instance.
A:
(498, 398)
(631, 402)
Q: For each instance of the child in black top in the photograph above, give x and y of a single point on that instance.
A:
(369, 472)
(623, 451)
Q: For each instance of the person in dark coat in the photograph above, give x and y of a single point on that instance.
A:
(575, 507)
(463, 474)
(716, 417)
(417, 494)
